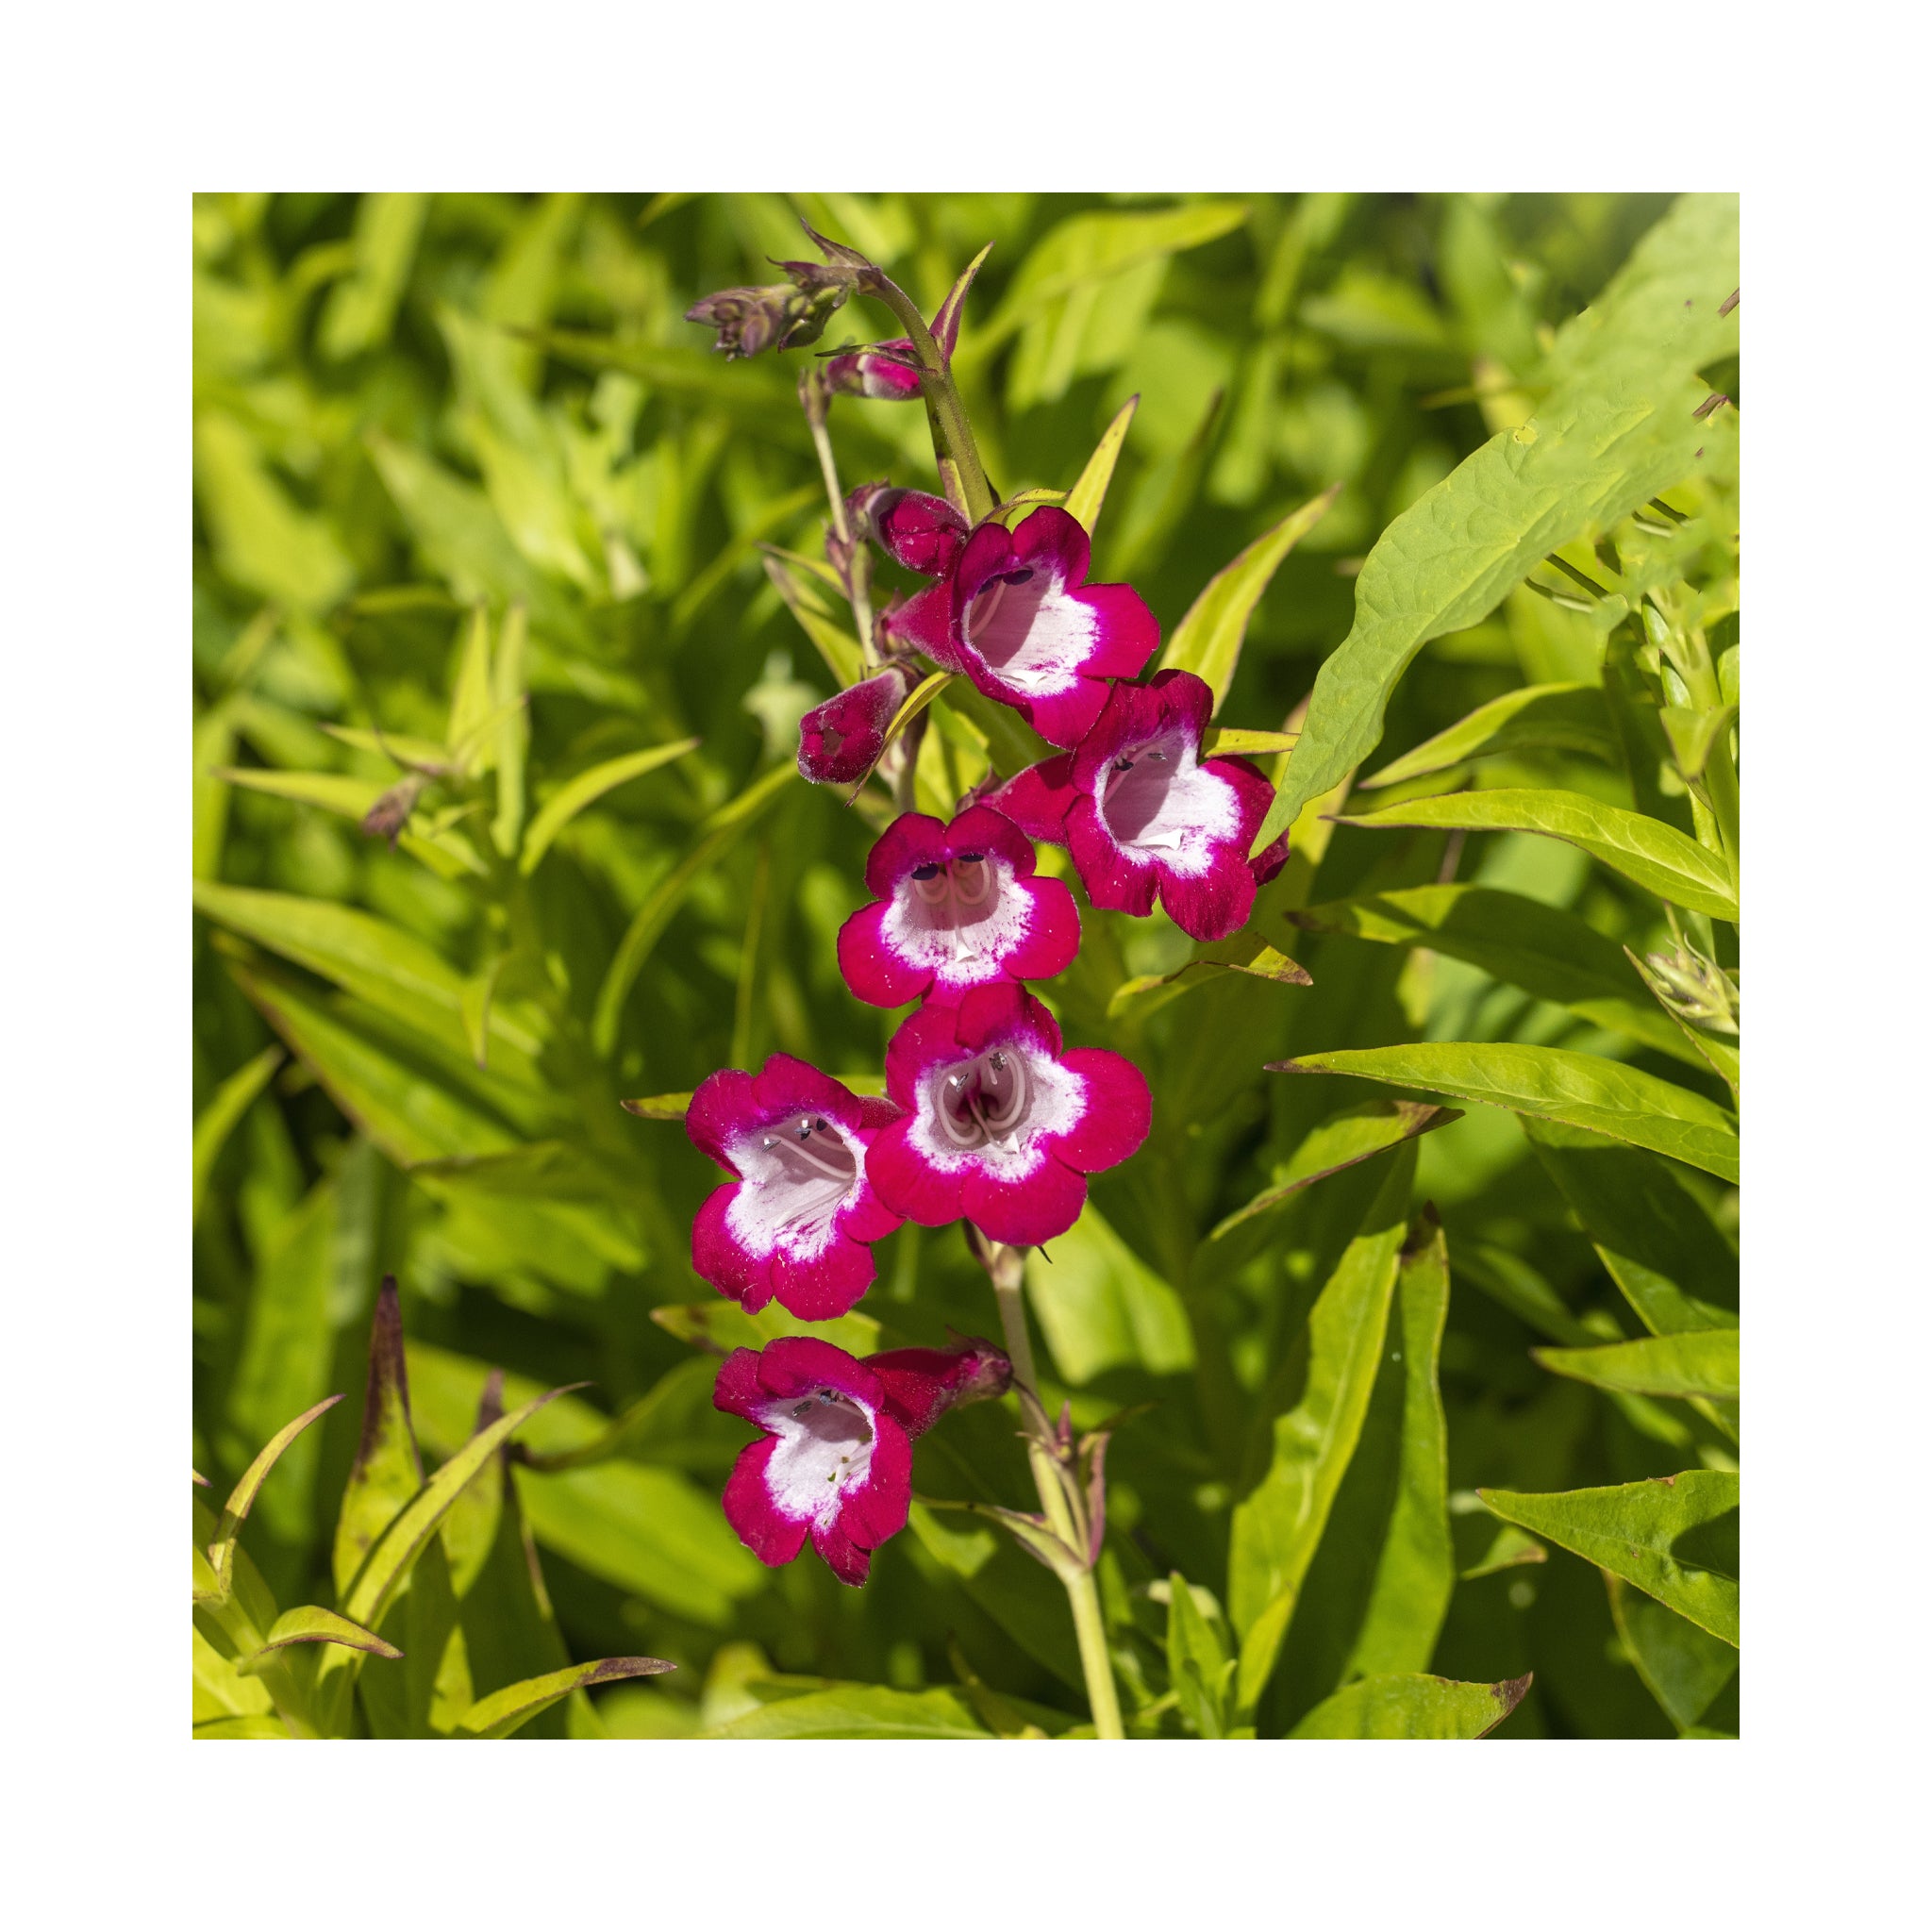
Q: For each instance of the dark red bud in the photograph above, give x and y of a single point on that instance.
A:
(840, 740)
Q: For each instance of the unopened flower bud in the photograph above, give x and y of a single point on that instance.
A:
(885, 373)
(784, 316)
(841, 740)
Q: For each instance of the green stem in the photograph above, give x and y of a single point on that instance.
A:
(952, 434)
(811, 393)
(1083, 1595)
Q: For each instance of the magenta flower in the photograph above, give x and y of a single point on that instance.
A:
(799, 1220)
(1144, 814)
(955, 907)
(887, 372)
(999, 1124)
(840, 740)
(1015, 613)
(835, 1460)
(924, 532)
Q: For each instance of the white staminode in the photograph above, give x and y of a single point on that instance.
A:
(798, 1173)
(1158, 804)
(958, 921)
(993, 1112)
(1034, 636)
(824, 1448)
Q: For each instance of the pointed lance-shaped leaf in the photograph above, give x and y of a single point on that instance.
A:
(507, 1710)
(242, 1499)
(387, 1471)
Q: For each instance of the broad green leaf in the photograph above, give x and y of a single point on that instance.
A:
(1675, 1536)
(1615, 431)
(220, 1553)
(1508, 1550)
(387, 1472)
(1657, 857)
(1208, 638)
(311, 1623)
(1674, 1268)
(394, 971)
(1684, 1666)
(1549, 954)
(806, 601)
(407, 1113)
(721, 1325)
(1100, 1307)
(1087, 495)
(647, 925)
(508, 1709)
(362, 308)
(1278, 1525)
(584, 789)
(1416, 1570)
(860, 1711)
(1196, 1664)
(1579, 1089)
(219, 1118)
(1343, 1140)
(1538, 717)
(1702, 1361)
(1413, 1707)
(388, 1564)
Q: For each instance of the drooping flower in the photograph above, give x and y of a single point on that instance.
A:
(798, 1221)
(834, 1462)
(956, 906)
(1145, 815)
(840, 740)
(1015, 613)
(999, 1124)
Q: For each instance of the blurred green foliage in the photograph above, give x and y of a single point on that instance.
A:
(479, 514)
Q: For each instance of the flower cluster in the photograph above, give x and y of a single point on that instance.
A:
(987, 1116)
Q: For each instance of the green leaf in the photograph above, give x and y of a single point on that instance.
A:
(1208, 638)
(220, 1116)
(1278, 1525)
(220, 1553)
(584, 789)
(648, 922)
(1675, 1536)
(860, 1711)
(1100, 1307)
(1674, 1268)
(1416, 1570)
(721, 1325)
(389, 1563)
(841, 650)
(1196, 1664)
(1581, 1090)
(251, 1728)
(311, 1623)
(1538, 717)
(1552, 955)
(1685, 1668)
(1413, 1707)
(511, 695)
(508, 1709)
(392, 969)
(1617, 429)
(1232, 741)
(1657, 857)
(1087, 495)
(1342, 1141)
(362, 308)
(916, 701)
(1509, 1550)
(658, 1106)
(387, 1471)
(1700, 1362)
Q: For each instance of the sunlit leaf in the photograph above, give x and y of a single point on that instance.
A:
(1413, 1707)
(584, 789)
(1702, 1361)
(508, 1709)
(1536, 717)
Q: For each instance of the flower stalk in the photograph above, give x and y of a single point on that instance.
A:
(1049, 1456)
(853, 558)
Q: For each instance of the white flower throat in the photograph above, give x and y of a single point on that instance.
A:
(958, 917)
(1156, 799)
(824, 1447)
(798, 1173)
(1033, 635)
(986, 1102)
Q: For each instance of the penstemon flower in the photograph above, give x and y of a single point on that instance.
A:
(1144, 814)
(956, 906)
(798, 1221)
(1014, 612)
(1000, 1126)
(835, 1460)
(840, 740)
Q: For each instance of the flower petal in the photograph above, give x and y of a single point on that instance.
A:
(1025, 1212)
(875, 1509)
(910, 1185)
(737, 1390)
(1126, 633)
(1038, 799)
(843, 1557)
(723, 1107)
(771, 1537)
(720, 1258)
(827, 1285)
(1111, 878)
(1053, 934)
(1118, 1114)
(923, 533)
(795, 1365)
(872, 968)
(914, 838)
(1214, 904)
